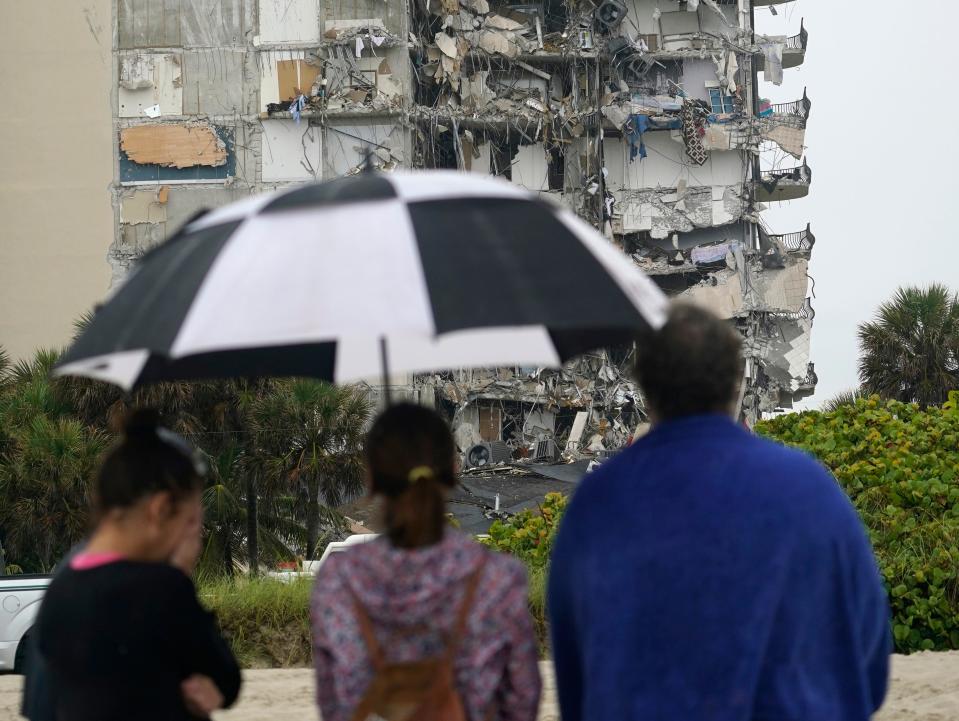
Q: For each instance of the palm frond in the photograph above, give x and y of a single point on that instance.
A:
(909, 349)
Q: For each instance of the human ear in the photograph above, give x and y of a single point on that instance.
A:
(160, 507)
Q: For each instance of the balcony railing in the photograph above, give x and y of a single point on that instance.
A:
(801, 242)
(807, 312)
(800, 41)
(799, 174)
(797, 108)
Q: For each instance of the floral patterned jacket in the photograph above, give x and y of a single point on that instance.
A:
(413, 597)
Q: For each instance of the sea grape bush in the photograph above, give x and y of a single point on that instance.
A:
(900, 466)
(529, 535)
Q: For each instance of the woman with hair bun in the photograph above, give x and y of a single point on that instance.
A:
(121, 631)
(423, 623)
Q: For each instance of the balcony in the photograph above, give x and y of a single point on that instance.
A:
(795, 114)
(789, 184)
(794, 53)
(800, 243)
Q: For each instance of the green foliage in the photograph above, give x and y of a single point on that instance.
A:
(266, 621)
(308, 437)
(529, 535)
(900, 466)
(281, 454)
(843, 398)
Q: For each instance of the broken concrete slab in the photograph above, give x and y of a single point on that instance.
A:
(723, 295)
(498, 43)
(447, 44)
(789, 138)
(499, 22)
(781, 290)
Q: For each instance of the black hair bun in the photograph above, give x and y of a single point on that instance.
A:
(141, 424)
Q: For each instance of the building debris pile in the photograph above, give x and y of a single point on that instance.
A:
(646, 118)
(589, 407)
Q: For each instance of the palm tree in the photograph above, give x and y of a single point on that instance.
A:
(225, 518)
(45, 477)
(910, 350)
(842, 399)
(5, 363)
(308, 437)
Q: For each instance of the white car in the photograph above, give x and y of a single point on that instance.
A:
(20, 598)
(313, 567)
(310, 568)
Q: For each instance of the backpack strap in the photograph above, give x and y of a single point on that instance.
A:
(459, 624)
(369, 635)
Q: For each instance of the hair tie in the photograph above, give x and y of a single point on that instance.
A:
(419, 473)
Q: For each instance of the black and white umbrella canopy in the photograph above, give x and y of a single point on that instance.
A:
(418, 272)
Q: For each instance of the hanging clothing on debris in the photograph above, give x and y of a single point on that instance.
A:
(693, 132)
(773, 71)
(765, 108)
(636, 126)
(609, 200)
(297, 107)
(726, 69)
(711, 253)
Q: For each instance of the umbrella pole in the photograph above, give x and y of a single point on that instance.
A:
(385, 364)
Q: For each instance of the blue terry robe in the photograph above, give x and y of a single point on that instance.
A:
(706, 574)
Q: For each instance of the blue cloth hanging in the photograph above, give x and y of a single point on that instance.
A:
(636, 126)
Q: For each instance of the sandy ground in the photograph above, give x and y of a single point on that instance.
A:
(925, 687)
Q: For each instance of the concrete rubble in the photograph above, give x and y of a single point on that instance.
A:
(646, 118)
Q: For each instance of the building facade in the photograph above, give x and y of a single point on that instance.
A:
(646, 117)
(56, 221)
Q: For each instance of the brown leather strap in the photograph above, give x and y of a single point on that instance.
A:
(369, 635)
(459, 625)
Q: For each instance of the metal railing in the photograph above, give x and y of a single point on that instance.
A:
(799, 174)
(801, 242)
(807, 312)
(800, 41)
(799, 108)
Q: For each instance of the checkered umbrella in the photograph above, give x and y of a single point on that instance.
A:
(345, 279)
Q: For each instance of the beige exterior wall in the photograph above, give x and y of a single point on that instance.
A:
(56, 167)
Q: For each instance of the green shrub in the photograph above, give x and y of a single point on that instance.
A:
(900, 467)
(529, 537)
(266, 621)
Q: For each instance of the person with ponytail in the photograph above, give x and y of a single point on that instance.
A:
(121, 632)
(422, 623)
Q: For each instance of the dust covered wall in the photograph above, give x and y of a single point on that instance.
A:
(666, 164)
(56, 166)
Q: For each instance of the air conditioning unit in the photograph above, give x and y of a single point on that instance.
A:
(546, 450)
(610, 14)
(487, 454)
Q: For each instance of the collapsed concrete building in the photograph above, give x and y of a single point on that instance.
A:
(645, 117)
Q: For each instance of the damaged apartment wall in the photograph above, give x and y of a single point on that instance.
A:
(185, 104)
(645, 117)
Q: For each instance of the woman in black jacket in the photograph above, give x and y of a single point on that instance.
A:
(121, 631)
